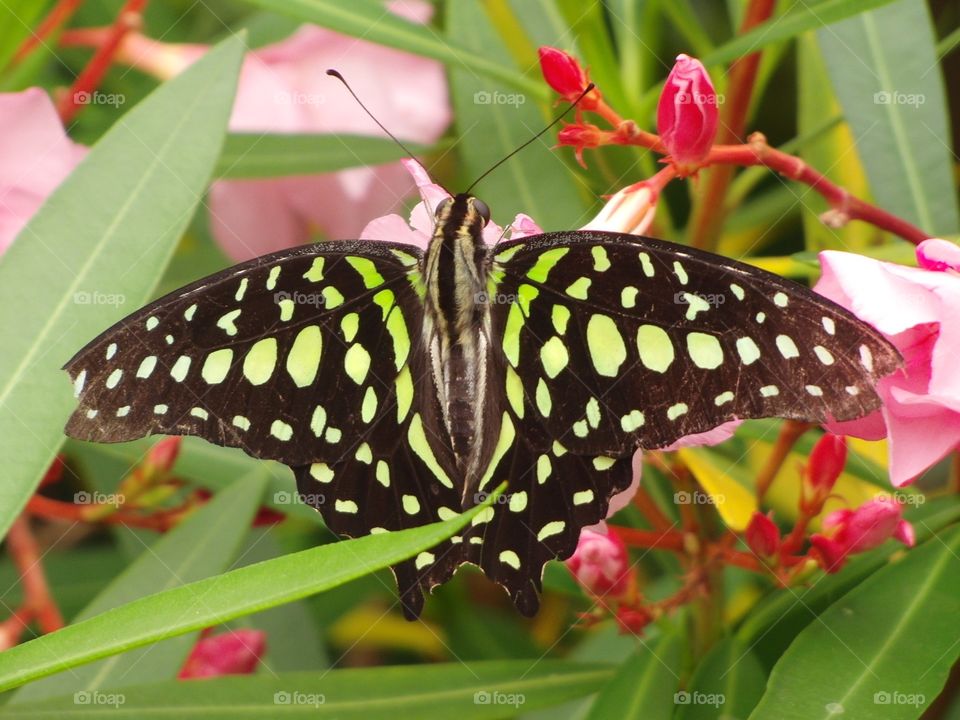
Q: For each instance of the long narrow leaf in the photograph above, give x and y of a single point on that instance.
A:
(94, 252)
(231, 595)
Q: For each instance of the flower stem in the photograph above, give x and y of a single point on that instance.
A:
(708, 214)
(129, 18)
(38, 603)
(790, 432)
(57, 17)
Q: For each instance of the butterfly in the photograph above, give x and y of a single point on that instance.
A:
(402, 386)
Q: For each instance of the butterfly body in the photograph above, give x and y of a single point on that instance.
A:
(402, 386)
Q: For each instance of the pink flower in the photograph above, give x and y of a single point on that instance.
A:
(856, 531)
(687, 113)
(231, 653)
(916, 309)
(600, 563)
(284, 89)
(37, 155)
(630, 210)
(762, 535)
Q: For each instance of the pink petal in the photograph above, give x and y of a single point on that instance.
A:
(939, 255)
(253, 217)
(393, 228)
(717, 435)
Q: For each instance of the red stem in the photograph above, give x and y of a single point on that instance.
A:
(129, 18)
(664, 540)
(57, 17)
(45, 507)
(709, 211)
(37, 602)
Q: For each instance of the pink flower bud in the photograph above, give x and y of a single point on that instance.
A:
(230, 653)
(826, 462)
(762, 535)
(562, 72)
(860, 530)
(687, 113)
(633, 619)
(600, 563)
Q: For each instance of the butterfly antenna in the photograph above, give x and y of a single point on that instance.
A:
(338, 76)
(553, 122)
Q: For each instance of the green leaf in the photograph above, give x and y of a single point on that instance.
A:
(807, 16)
(888, 80)
(644, 686)
(492, 121)
(456, 690)
(202, 546)
(256, 155)
(727, 683)
(371, 22)
(96, 247)
(231, 595)
(885, 648)
(16, 19)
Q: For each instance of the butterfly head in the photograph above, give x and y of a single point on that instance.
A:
(463, 212)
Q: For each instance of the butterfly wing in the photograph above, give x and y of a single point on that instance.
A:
(309, 357)
(605, 343)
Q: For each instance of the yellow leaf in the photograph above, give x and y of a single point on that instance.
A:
(734, 502)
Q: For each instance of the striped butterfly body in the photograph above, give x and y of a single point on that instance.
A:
(402, 386)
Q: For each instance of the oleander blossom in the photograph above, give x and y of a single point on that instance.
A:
(37, 156)
(847, 532)
(917, 310)
(284, 88)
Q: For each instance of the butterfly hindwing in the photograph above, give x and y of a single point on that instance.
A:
(619, 342)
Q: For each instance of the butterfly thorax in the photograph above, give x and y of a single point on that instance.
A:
(457, 320)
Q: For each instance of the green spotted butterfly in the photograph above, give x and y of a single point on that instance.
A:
(400, 386)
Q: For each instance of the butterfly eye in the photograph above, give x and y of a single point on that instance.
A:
(481, 207)
(443, 206)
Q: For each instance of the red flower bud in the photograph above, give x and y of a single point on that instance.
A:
(562, 72)
(762, 535)
(581, 136)
(230, 653)
(687, 113)
(633, 619)
(163, 455)
(54, 472)
(600, 563)
(860, 530)
(823, 468)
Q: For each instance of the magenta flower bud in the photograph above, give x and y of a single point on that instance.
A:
(762, 535)
(600, 563)
(562, 72)
(860, 530)
(231, 653)
(687, 114)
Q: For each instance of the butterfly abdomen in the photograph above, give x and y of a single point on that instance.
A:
(456, 315)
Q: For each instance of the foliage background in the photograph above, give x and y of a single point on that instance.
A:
(802, 652)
